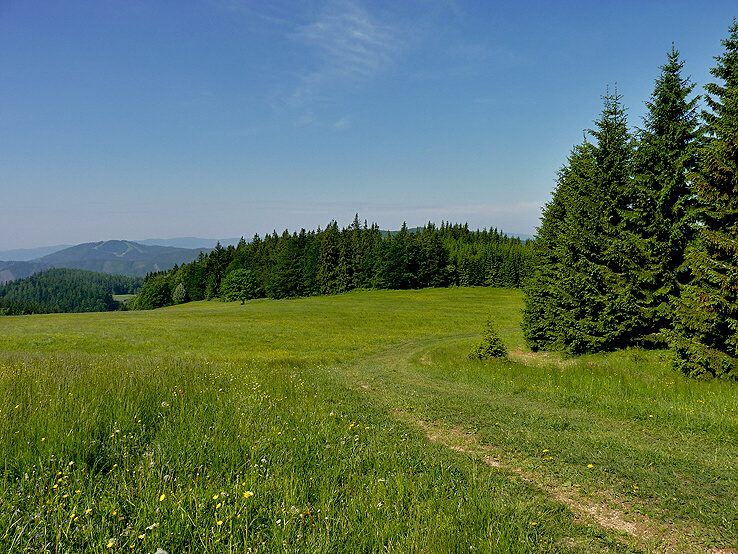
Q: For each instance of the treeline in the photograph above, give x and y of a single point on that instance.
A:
(65, 290)
(334, 260)
(639, 243)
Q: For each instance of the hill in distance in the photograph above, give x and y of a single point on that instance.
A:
(119, 257)
(32, 254)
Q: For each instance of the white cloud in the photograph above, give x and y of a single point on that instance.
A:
(350, 45)
(342, 123)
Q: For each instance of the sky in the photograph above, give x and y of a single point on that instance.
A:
(136, 119)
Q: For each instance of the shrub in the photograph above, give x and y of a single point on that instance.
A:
(491, 345)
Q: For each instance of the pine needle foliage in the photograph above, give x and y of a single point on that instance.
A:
(610, 249)
(583, 296)
(491, 346)
(664, 205)
(705, 337)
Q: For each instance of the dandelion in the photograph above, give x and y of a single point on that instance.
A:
(248, 494)
(162, 497)
(590, 466)
(220, 522)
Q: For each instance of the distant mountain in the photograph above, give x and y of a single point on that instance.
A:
(26, 254)
(119, 257)
(190, 242)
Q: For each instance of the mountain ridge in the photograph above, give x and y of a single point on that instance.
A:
(119, 257)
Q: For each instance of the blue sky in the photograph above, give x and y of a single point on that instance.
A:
(134, 119)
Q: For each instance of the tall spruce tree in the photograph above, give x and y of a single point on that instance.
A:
(664, 199)
(583, 296)
(543, 301)
(705, 337)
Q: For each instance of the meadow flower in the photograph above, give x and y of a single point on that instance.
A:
(162, 497)
(248, 494)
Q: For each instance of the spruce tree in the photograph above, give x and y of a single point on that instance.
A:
(491, 346)
(705, 337)
(582, 297)
(664, 205)
(329, 260)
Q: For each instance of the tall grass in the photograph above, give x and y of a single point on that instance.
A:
(119, 453)
(300, 426)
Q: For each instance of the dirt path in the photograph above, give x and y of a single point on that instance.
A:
(604, 509)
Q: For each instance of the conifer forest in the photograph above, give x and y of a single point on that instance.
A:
(334, 260)
(638, 245)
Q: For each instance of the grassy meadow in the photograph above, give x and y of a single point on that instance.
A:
(351, 423)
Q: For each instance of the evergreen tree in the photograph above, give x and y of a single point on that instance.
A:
(664, 205)
(491, 345)
(329, 260)
(584, 297)
(286, 275)
(705, 337)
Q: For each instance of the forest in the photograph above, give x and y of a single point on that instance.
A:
(334, 260)
(65, 290)
(637, 246)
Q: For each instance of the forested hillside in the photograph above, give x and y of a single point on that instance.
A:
(639, 243)
(337, 260)
(65, 290)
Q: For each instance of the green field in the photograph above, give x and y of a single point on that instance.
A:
(351, 423)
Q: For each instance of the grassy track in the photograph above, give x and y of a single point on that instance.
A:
(351, 424)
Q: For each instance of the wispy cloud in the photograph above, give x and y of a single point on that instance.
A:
(341, 124)
(350, 45)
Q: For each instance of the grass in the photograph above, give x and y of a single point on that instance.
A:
(352, 423)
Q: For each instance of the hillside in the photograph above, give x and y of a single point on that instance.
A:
(119, 257)
(65, 290)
